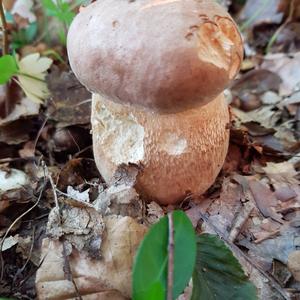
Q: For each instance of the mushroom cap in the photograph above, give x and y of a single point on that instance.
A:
(179, 153)
(164, 55)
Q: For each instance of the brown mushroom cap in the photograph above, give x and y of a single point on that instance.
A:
(165, 55)
(179, 153)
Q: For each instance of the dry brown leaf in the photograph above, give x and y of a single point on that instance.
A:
(287, 67)
(294, 264)
(80, 227)
(110, 274)
(265, 200)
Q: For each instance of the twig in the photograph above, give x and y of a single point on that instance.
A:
(53, 190)
(240, 220)
(261, 9)
(14, 159)
(67, 270)
(4, 29)
(5, 49)
(277, 32)
(170, 257)
(82, 151)
(67, 267)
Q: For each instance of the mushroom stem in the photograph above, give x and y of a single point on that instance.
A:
(179, 153)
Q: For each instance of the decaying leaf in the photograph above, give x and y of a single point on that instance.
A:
(71, 102)
(257, 12)
(109, 276)
(23, 109)
(10, 242)
(282, 176)
(12, 179)
(82, 227)
(120, 200)
(287, 67)
(77, 195)
(265, 200)
(155, 212)
(121, 197)
(294, 264)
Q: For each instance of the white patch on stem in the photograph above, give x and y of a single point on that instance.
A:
(172, 144)
(121, 137)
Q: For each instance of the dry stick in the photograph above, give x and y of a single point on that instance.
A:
(54, 191)
(39, 133)
(5, 47)
(278, 31)
(4, 29)
(14, 159)
(67, 267)
(170, 257)
(241, 254)
(68, 271)
(240, 221)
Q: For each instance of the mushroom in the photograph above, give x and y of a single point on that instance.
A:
(157, 70)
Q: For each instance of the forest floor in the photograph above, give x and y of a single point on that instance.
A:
(46, 157)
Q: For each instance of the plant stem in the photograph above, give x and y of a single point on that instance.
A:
(4, 29)
(278, 31)
(170, 258)
(262, 8)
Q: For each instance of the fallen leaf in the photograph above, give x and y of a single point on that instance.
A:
(108, 276)
(12, 179)
(265, 200)
(283, 178)
(294, 264)
(23, 109)
(154, 212)
(10, 242)
(287, 67)
(82, 228)
(257, 12)
(77, 171)
(71, 101)
(16, 132)
(77, 195)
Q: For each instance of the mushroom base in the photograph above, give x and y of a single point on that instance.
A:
(179, 153)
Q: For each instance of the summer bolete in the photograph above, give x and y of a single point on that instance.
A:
(157, 69)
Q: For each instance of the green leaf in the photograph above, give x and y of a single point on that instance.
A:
(24, 36)
(31, 31)
(50, 6)
(8, 68)
(151, 262)
(218, 274)
(62, 11)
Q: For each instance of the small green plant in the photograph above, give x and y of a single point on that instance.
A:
(63, 12)
(8, 67)
(150, 272)
(29, 73)
(24, 36)
(217, 274)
